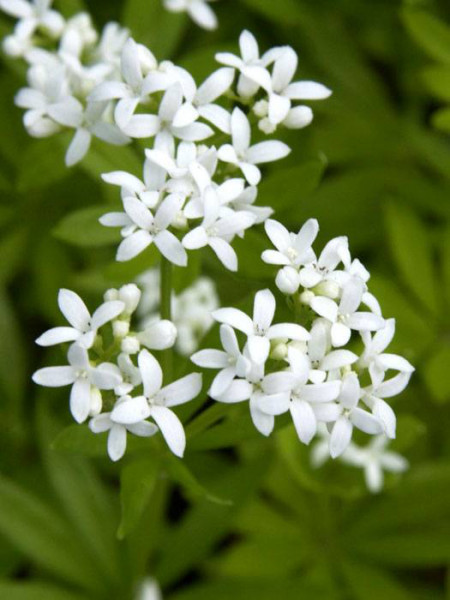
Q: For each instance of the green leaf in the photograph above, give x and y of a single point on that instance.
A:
(42, 164)
(80, 439)
(36, 591)
(437, 80)
(412, 252)
(12, 354)
(437, 373)
(137, 483)
(82, 228)
(178, 470)
(441, 119)
(432, 35)
(41, 534)
(370, 583)
(12, 251)
(151, 24)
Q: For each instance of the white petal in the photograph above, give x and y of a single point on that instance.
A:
(185, 115)
(54, 376)
(80, 400)
(298, 117)
(58, 335)
(365, 421)
(273, 404)
(217, 115)
(130, 66)
(224, 253)
(248, 46)
(171, 248)
(106, 376)
(100, 423)
(273, 257)
(304, 420)
(267, 152)
(340, 334)
(235, 318)
(384, 413)
(183, 390)
(383, 337)
(222, 381)
(109, 90)
(202, 14)
(238, 391)
(263, 309)
(106, 312)
(361, 321)
(278, 108)
(171, 428)
(280, 381)
(350, 392)
(351, 296)
(210, 359)
(338, 359)
(340, 436)
(240, 131)
(327, 412)
(143, 429)
(159, 335)
(74, 309)
(125, 180)
(214, 86)
(258, 349)
(278, 235)
(291, 331)
(393, 361)
(78, 147)
(133, 245)
(263, 422)
(325, 307)
(151, 373)
(321, 392)
(142, 126)
(374, 476)
(197, 238)
(307, 90)
(284, 69)
(393, 386)
(117, 442)
(131, 411)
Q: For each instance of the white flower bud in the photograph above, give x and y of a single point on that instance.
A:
(120, 328)
(279, 351)
(96, 402)
(306, 297)
(180, 221)
(130, 345)
(130, 295)
(266, 126)
(159, 335)
(261, 108)
(111, 294)
(287, 280)
(301, 346)
(330, 289)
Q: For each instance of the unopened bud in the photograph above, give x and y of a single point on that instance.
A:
(330, 289)
(306, 297)
(287, 280)
(111, 294)
(159, 335)
(96, 402)
(279, 351)
(261, 108)
(266, 126)
(130, 295)
(130, 345)
(120, 329)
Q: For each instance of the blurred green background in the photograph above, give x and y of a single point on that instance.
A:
(374, 165)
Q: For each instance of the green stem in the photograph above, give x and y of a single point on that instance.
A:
(165, 287)
(207, 418)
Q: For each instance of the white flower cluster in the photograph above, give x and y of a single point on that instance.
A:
(191, 309)
(199, 11)
(330, 369)
(108, 386)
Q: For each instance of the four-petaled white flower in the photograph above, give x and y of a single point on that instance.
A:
(246, 157)
(259, 330)
(84, 326)
(291, 249)
(82, 376)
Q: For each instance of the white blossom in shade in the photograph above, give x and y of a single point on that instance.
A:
(141, 229)
(33, 15)
(149, 590)
(129, 294)
(252, 67)
(323, 358)
(131, 376)
(210, 90)
(136, 62)
(291, 249)
(147, 190)
(199, 11)
(283, 91)
(344, 316)
(374, 459)
(216, 231)
(323, 269)
(87, 121)
(159, 401)
(47, 87)
(246, 157)
(351, 416)
(159, 335)
(245, 201)
(259, 330)
(227, 360)
(308, 403)
(135, 423)
(375, 359)
(83, 326)
(110, 46)
(82, 376)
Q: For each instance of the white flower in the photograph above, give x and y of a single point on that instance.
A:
(159, 335)
(375, 459)
(148, 190)
(283, 91)
(141, 229)
(308, 403)
(246, 157)
(82, 376)
(136, 62)
(351, 415)
(322, 269)
(33, 15)
(157, 402)
(84, 326)
(212, 88)
(131, 376)
(216, 231)
(344, 316)
(375, 359)
(226, 360)
(251, 67)
(260, 330)
(199, 11)
(129, 294)
(291, 249)
(149, 590)
(112, 422)
(245, 202)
